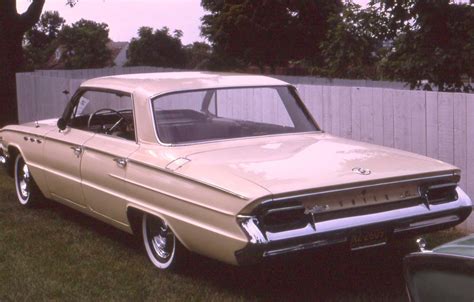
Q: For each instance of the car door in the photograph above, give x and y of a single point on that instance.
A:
(103, 169)
(62, 159)
(104, 157)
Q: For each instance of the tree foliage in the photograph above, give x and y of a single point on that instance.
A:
(13, 26)
(40, 41)
(267, 33)
(354, 42)
(84, 44)
(157, 48)
(433, 44)
(198, 55)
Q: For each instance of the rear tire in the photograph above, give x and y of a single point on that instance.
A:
(27, 192)
(162, 247)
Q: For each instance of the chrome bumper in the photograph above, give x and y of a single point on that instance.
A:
(402, 222)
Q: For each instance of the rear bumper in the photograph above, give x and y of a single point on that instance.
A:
(397, 223)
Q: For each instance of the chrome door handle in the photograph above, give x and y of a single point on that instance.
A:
(121, 162)
(77, 151)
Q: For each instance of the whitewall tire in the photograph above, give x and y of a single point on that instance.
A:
(162, 247)
(27, 192)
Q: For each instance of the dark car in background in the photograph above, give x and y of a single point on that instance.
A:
(445, 273)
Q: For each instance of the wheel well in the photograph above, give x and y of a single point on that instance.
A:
(12, 154)
(135, 219)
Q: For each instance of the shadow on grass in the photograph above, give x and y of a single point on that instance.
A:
(330, 274)
(60, 211)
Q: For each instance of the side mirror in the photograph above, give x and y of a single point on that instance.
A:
(62, 124)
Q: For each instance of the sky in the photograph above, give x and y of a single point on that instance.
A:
(124, 17)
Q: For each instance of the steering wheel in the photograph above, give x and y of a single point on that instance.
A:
(106, 110)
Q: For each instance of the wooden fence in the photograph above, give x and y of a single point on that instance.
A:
(436, 124)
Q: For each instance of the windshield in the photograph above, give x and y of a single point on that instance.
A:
(215, 114)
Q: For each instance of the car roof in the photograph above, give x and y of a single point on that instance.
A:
(165, 82)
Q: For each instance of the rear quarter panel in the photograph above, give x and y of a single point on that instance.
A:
(201, 216)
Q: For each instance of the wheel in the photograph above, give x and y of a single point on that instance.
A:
(27, 191)
(162, 247)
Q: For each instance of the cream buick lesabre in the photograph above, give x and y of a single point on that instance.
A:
(228, 166)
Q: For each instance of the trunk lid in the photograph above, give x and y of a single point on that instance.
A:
(295, 163)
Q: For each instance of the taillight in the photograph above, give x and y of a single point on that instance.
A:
(440, 193)
(278, 219)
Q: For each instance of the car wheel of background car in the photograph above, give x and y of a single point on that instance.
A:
(27, 191)
(163, 248)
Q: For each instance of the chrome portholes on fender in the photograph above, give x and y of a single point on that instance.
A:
(27, 191)
(162, 247)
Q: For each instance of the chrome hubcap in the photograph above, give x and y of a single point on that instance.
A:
(23, 181)
(159, 244)
(161, 240)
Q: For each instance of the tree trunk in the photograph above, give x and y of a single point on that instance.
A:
(12, 28)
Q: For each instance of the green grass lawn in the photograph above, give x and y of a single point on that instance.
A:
(55, 253)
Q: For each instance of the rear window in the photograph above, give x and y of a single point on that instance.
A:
(216, 114)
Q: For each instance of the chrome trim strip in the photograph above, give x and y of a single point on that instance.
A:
(429, 222)
(280, 199)
(303, 246)
(171, 195)
(65, 200)
(277, 210)
(368, 246)
(174, 173)
(440, 186)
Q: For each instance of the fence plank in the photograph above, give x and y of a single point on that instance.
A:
(417, 107)
(432, 144)
(327, 120)
(402, 120)
(356, 96)
(335, 116)
(377, 103)
(388, 118)
(366, 115)
(460, 138)
(446, 127)
(470, 154)
(25, 90)
(345, 112)
(315, 96)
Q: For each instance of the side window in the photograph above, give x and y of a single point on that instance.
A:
(106, 113)
(259, 105)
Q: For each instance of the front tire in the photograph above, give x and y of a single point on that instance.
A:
(27, 192)
(162, 247)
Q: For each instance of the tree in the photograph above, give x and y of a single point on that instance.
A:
(41, 40)
(354, 43)
(267, 33)
(84, 45)
(157, 48)
(198, 55)
(433, 44)
(12, 28)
